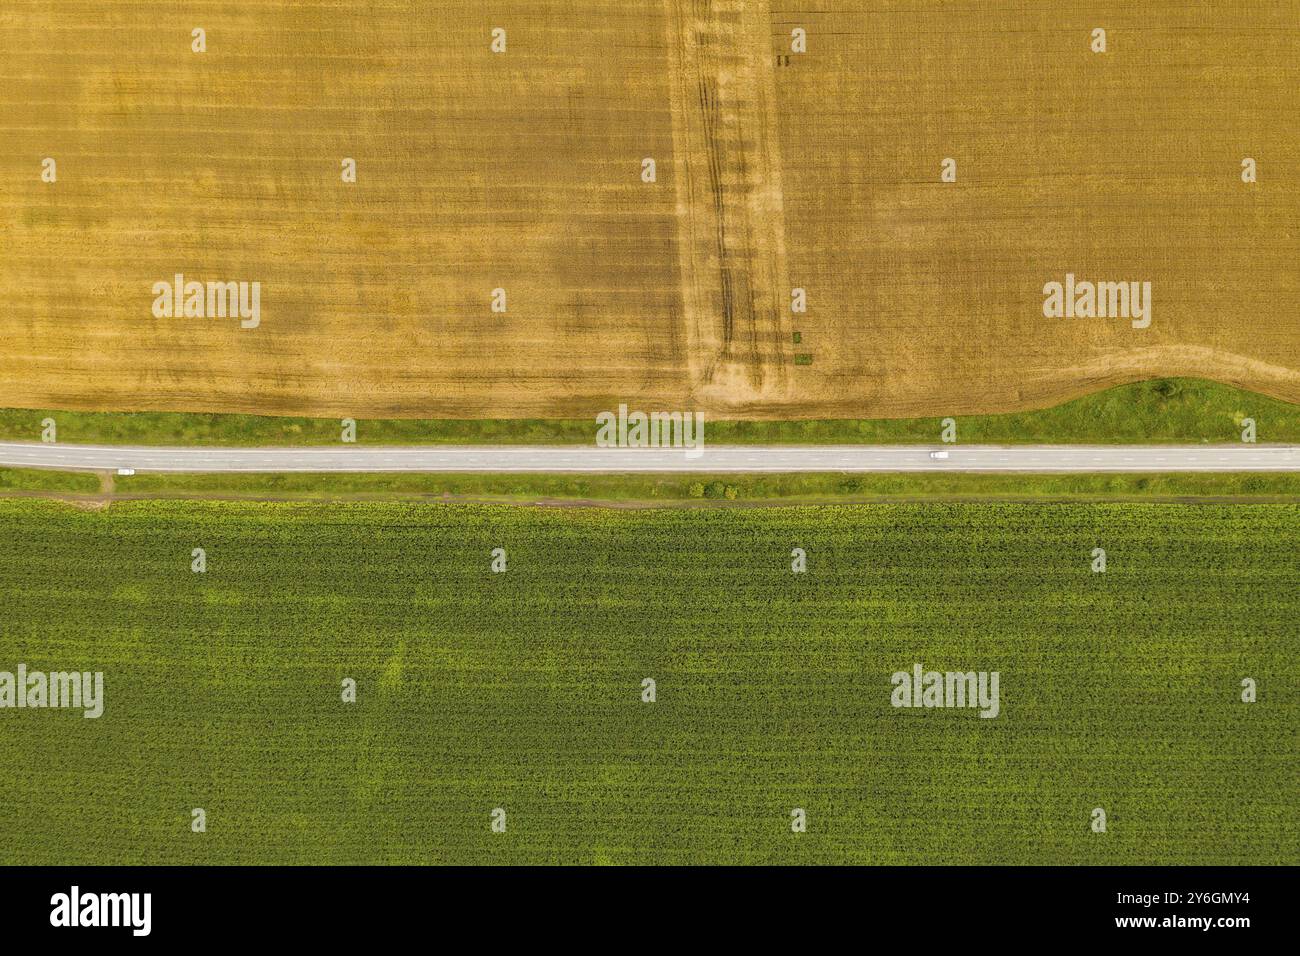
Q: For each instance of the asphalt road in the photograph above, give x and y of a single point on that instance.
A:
(718, 458)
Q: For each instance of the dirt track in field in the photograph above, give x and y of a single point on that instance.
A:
(522, 170)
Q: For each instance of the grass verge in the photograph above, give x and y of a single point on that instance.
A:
(41, 480)
(1164, 410)
(715, 488)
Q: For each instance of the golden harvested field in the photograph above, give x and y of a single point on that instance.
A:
(522, 170)
(1117, 166)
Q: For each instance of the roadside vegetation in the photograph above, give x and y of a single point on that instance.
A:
(651, 490)
(714, 489)
(1164, 410)
(42, 480)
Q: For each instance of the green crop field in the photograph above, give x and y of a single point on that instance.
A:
(522, 690)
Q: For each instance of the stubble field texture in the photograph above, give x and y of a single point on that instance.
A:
(522, 170)
(522, 690)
